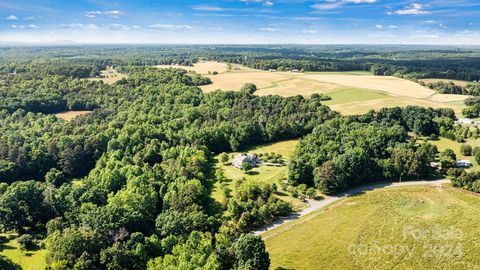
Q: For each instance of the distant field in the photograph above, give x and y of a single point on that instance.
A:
(395, 228)
(456, 82)
(267, 174)
(71, 114)
(204, 67)
(28, 260)
(110, 76)
(352, 92)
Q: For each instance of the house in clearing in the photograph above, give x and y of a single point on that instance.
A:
(464, 164)
(249, 158)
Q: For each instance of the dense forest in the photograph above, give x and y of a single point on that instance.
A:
(350, 151)
(410, 62)
(128, 185)
(145, 159)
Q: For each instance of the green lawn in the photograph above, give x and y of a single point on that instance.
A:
(267, 174)
(396, 228)
(444, 143)
(28, 260)
(348, 95)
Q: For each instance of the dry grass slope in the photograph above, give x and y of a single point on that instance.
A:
(380, 230)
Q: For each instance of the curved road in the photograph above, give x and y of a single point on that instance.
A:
(316, 205)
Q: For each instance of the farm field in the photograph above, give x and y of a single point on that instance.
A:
(27, 260)
(71, 114)
(394, 228)
(353, 92)
(267, 174)
(110, 76)
(204, 67)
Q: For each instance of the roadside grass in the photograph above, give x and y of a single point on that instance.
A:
(28, 260)
(444, 143)
(394, 228)
(265, 174)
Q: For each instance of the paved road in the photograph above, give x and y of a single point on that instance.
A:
(316, 205)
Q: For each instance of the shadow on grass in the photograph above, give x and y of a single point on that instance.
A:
(252, 173)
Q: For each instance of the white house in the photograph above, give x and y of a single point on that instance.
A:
(249, 158)
(464, 163)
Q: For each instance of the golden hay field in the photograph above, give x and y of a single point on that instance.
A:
(71, 114)
(204, 67)
(351, 92)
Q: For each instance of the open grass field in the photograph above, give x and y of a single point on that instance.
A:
(425, 227)
(110, 76)
(27, 260)
(71, 114)
(444, 143)
(204, 67)
(266, 174)
(353, 92)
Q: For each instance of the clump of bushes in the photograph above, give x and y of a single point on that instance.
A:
(25, 241)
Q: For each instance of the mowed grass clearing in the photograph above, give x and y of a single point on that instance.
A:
(69, 115)
(444, 143)
(265, 174)
(27, 260)
(423, 227)
(109, 76)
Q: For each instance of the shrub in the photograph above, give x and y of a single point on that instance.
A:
(466, 149)
(25, 241)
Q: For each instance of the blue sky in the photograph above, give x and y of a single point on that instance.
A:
(242, 21)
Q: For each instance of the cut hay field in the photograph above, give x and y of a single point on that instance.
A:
(353, 92)
(266, 174)
(206, 67)
(27, 260)
(69, 115)
(425, 227)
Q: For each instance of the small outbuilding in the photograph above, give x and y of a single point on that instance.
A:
(249, 158)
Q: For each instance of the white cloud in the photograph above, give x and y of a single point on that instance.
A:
(136, 27)
(27, 26)
(207, 8)
(428, 36)
(412, 9)
(11, 18)
(268, 29)
(333, 4)
(115, 14)
(169, 26)
(89, 26)
(31, 18)
(267, 4)
(117, 26)
(392, 26)
(378, 26)
(309, 31)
